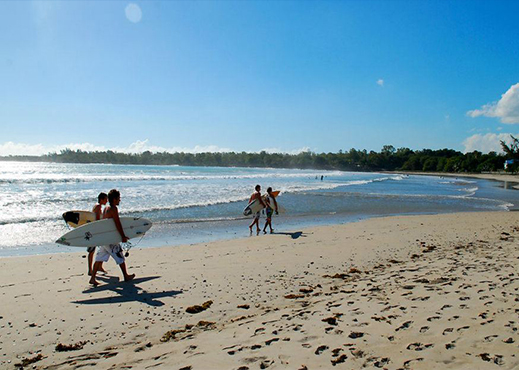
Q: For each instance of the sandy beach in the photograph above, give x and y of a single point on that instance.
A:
(411, 292)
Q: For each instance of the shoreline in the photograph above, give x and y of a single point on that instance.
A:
(194, 232)
(402, 291)
(483, 176)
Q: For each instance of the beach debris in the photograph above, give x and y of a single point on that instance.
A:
(30, 360)
(60, 347)
(172, 334)
(199, 308)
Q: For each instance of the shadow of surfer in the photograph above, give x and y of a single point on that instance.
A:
(294, 235)
(128, 292)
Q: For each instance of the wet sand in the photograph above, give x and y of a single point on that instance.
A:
(415, 292)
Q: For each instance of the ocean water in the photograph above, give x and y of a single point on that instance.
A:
(200, 204)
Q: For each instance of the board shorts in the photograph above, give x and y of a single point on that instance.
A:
(91, 249)
(269, 212)
(105, 251)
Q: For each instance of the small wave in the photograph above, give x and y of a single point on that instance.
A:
(136, 178)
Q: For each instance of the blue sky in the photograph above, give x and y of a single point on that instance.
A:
(252, 75)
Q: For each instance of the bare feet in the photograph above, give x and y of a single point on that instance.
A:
(272, 231)
(250, 228)
(264, 232)
(129, 277)
(257, 232)
(93, 282)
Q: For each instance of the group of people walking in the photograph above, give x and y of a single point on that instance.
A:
(269, 203)
(113, 198)
(104, 252)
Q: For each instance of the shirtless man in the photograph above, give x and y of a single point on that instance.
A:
(272, 206)
(102, 199)
(256, 195)
(115, 250)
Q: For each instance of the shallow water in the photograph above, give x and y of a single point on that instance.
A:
(199, 204)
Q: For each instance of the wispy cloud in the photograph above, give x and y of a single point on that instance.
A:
(139, 146)
(486, 143)
(380, 82)
(506, 109)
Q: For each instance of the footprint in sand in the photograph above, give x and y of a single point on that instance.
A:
(321, 349)
(447, 331)
(419, 346)
(490, 338)
(423, 329)
(404, 326)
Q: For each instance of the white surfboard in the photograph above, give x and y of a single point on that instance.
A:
(104, 232)
(255, 206)
(78, 218)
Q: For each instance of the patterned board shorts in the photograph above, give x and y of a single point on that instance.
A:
(114, 250)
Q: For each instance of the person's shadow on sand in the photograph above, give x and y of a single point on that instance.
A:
(127, 292)
(293, 235)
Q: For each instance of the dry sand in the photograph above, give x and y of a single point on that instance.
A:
(416, 292)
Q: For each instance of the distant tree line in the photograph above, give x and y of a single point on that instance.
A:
(388, 159)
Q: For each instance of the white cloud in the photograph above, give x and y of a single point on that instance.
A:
(507, 108)
(486, 143)
(133, 13)
(139, 146)
(380, 82)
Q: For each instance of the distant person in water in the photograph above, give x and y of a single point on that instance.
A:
(102, 199)
(322, 177)
(114, 250)
(256, 195)
(272, 206)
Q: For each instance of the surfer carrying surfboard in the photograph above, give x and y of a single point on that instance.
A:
(102, 199)
(114, 250)
(272, 206)
(256, 195)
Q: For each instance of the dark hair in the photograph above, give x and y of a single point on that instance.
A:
(113, 194)
(257, 187)
(101, 196)
(269, 189)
